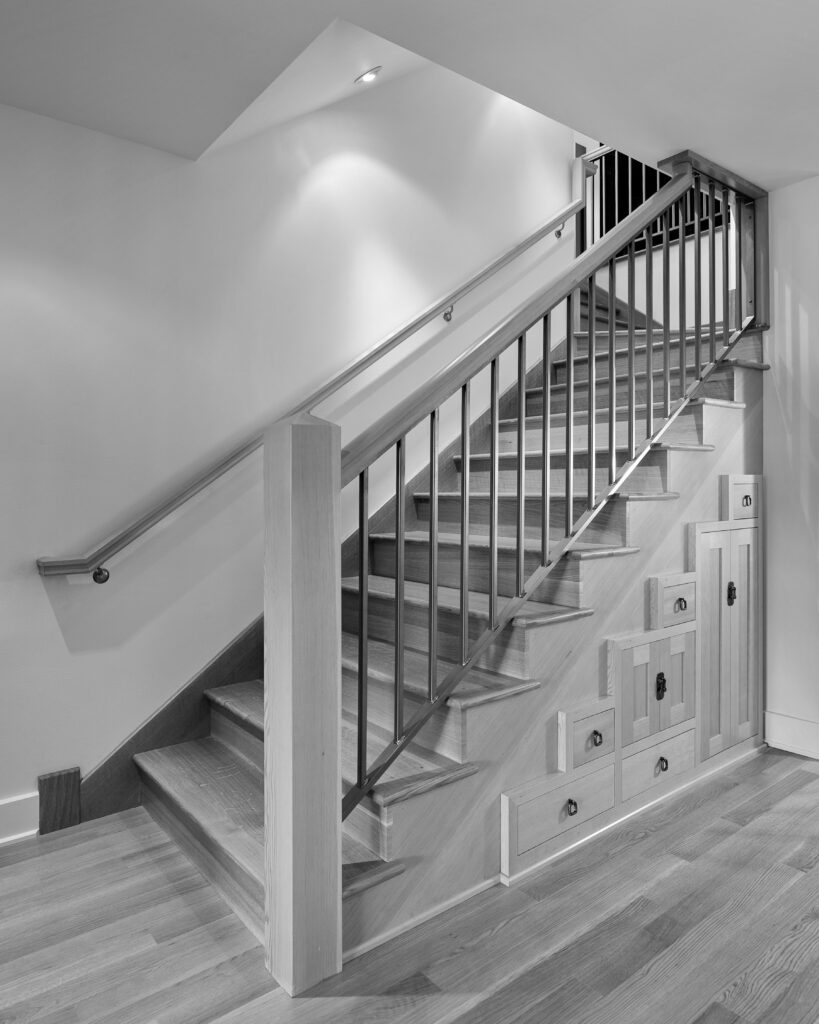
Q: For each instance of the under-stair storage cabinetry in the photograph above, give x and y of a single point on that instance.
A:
(728, 622)
(655, 675)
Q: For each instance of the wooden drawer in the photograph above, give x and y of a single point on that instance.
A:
(644, 770)
(672, 599)
(592, 737)
(740, 497)
(545, 815)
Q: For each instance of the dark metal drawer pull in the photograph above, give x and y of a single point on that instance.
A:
(663, 764)
(597, 738)
(680, 604)
(571, 807)
(747, 501)
(662, 686)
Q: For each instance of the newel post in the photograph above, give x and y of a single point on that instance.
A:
(302, 696)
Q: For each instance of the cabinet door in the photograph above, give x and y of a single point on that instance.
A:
(713, 570)
(639, 666)
(679, 654)
(744, 622)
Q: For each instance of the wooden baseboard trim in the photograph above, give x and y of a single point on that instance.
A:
(798, 735)
(114, 784)
(413, 922)
(18, 817)
(59, 800)
(743, 752)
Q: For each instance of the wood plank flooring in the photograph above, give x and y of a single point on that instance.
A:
(704, 910)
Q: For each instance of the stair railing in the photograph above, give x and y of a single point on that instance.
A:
(730, 286)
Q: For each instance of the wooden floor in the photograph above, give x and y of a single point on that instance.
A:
(702, 910)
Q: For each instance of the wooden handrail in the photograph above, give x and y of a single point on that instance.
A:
(378, 438)
(94, 560)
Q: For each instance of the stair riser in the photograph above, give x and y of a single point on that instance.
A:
(239, 739)
(607, 528)
(646, 479)
(687, 428)
(534, 400)
(444, 733)
(581, 366)
(509, 654)
(621, 339)
(721, 380)
(449, 569)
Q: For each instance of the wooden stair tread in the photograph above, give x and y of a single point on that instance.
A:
(418, 770)
(557, 455)
(225, 799)
(218, 792)
(532, 613)
(480, 686)
(243, 702)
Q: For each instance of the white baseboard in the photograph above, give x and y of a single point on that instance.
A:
(798, 735)
(19, 816)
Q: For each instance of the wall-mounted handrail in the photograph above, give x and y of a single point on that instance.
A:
(93, 562)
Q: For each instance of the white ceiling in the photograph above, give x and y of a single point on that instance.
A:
(736, 80)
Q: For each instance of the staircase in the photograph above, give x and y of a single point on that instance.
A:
(208, 793)
(580, 479)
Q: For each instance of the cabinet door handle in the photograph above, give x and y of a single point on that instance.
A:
(571, 807)
(747, 501)
(680, 604)
(663, 764)
(597, 738)
(732, 593)
(662, 686)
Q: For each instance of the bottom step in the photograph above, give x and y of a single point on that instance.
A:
(212, 803)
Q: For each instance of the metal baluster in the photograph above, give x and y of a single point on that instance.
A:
(683, 383)
(592, 402)
(546, 439)
(616, 156)
(712, 269)
(649, 335)
(363, 619)
(696, 198)
(726, 327)
(432, 687)
(612, 372)
(603, 195)
(493, 496)
(521, 478)
(570, 300)
(632, 382)
(465, 472)
(666, 314)
(738, 257)
(400, 472)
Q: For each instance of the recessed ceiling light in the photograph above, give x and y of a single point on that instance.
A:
(368, 76)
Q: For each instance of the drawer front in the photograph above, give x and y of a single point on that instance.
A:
(744, 500)
(592, 737)
(657, 764)
(672, 599)
(549, 814)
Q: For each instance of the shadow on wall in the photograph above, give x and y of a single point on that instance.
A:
(165, 565)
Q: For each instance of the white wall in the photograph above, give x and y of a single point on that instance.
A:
(791, 458)
(156, 311)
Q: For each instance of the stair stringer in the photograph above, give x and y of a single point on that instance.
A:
(450, 839)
